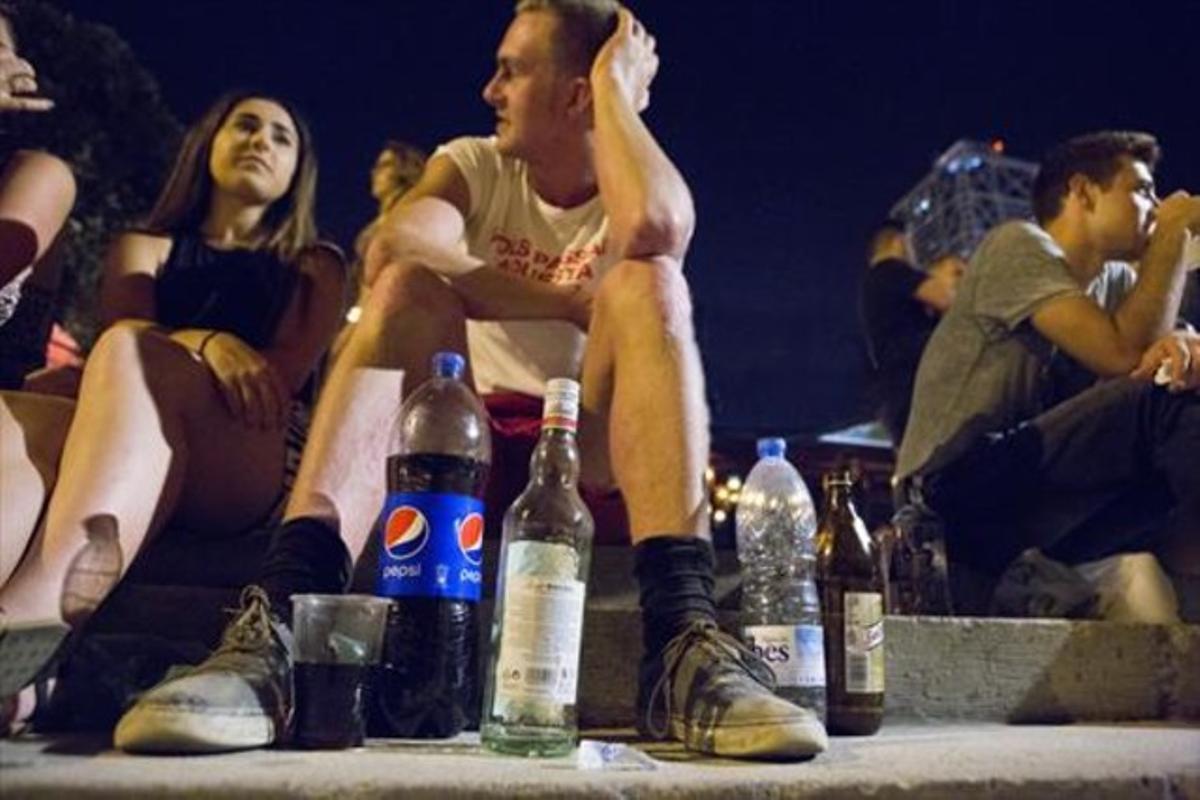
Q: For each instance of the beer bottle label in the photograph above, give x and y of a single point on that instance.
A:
(795, 653)
(432, 546)
(863, 622)
(541, 627)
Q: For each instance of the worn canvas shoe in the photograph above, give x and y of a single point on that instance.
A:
(238, 699)
(25, 649)
(715, 695)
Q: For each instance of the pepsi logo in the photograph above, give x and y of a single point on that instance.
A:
(470, 538)
(406, 533)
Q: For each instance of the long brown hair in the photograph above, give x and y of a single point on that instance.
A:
(288, 222)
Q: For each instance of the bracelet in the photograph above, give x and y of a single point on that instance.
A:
(204, 343)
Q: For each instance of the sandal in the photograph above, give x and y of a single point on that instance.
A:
(25, 649)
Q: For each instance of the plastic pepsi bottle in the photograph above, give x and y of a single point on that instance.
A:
(781, 608)
(431, 559)
(529, 704)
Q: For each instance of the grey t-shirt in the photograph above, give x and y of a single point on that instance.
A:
(986, 368)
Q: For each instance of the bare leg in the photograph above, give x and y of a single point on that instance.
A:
(148, 416)
(409, 315)
(642, 374)
(32, 431)
(37, 191)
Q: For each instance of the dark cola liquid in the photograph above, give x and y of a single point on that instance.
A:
(331, 704)
(426, 684)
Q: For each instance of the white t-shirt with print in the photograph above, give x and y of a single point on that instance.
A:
(510, 228)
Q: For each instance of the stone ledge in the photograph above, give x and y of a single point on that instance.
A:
(938, 668)
(941, 668)
(979, 760)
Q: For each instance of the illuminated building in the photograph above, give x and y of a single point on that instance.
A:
(971, 188)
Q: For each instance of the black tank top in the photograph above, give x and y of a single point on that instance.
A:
(244, 292)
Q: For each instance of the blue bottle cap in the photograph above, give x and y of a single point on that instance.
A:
(771, 447)
(448, 364)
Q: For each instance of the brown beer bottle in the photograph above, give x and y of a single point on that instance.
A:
(852, 591)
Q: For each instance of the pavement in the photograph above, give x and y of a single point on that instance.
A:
(977, 760)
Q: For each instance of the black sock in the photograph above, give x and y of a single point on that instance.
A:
(676, 578)
(306, 555)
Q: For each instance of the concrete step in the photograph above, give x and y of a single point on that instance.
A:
(972, 668)
(981, 760)
(938, 668)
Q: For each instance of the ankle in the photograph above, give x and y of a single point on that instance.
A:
(306, 555)
(676, 579)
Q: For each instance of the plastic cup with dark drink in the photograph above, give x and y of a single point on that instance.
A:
(338, 638)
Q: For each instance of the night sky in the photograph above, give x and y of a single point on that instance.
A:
(797, 125)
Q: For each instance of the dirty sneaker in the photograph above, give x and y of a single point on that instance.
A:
(712, 693)
(25, 650)
(238, 699)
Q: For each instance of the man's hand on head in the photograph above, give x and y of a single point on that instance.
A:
(627, 61)
(1176, 357)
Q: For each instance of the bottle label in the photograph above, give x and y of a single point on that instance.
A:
(795, 653)
(431, 546)
(538, 658)
(863, 621)
(560, 407)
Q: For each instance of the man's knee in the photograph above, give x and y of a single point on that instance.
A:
(404, 288)
(639, 295)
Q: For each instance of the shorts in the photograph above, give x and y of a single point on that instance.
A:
(516, 421)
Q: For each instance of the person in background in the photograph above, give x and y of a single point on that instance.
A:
(189, 410)
(994, 449)
(899, 306)
(397, 169)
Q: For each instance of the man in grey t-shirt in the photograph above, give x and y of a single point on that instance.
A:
(994, 444)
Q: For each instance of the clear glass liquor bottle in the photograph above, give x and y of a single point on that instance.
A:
(533, 670)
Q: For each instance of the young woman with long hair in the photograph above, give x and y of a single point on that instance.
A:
(217, 311)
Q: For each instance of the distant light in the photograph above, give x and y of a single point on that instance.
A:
(997, 145)
(353, 315)
(734, 482)
(923, 206)
(720, 516)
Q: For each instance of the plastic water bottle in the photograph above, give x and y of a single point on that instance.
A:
(431, 559)
(529, 704)
(781, 609)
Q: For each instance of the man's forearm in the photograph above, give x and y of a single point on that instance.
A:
(647, 201)
(428, 233)
(489, 294)
(1150, 310)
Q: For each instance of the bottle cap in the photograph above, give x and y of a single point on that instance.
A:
(772, 447)
(561, 404)
(448, 364)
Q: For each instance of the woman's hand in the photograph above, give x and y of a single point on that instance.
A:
(253, 390)
(18, 83)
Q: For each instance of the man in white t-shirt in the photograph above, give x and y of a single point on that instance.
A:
(553, 248)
